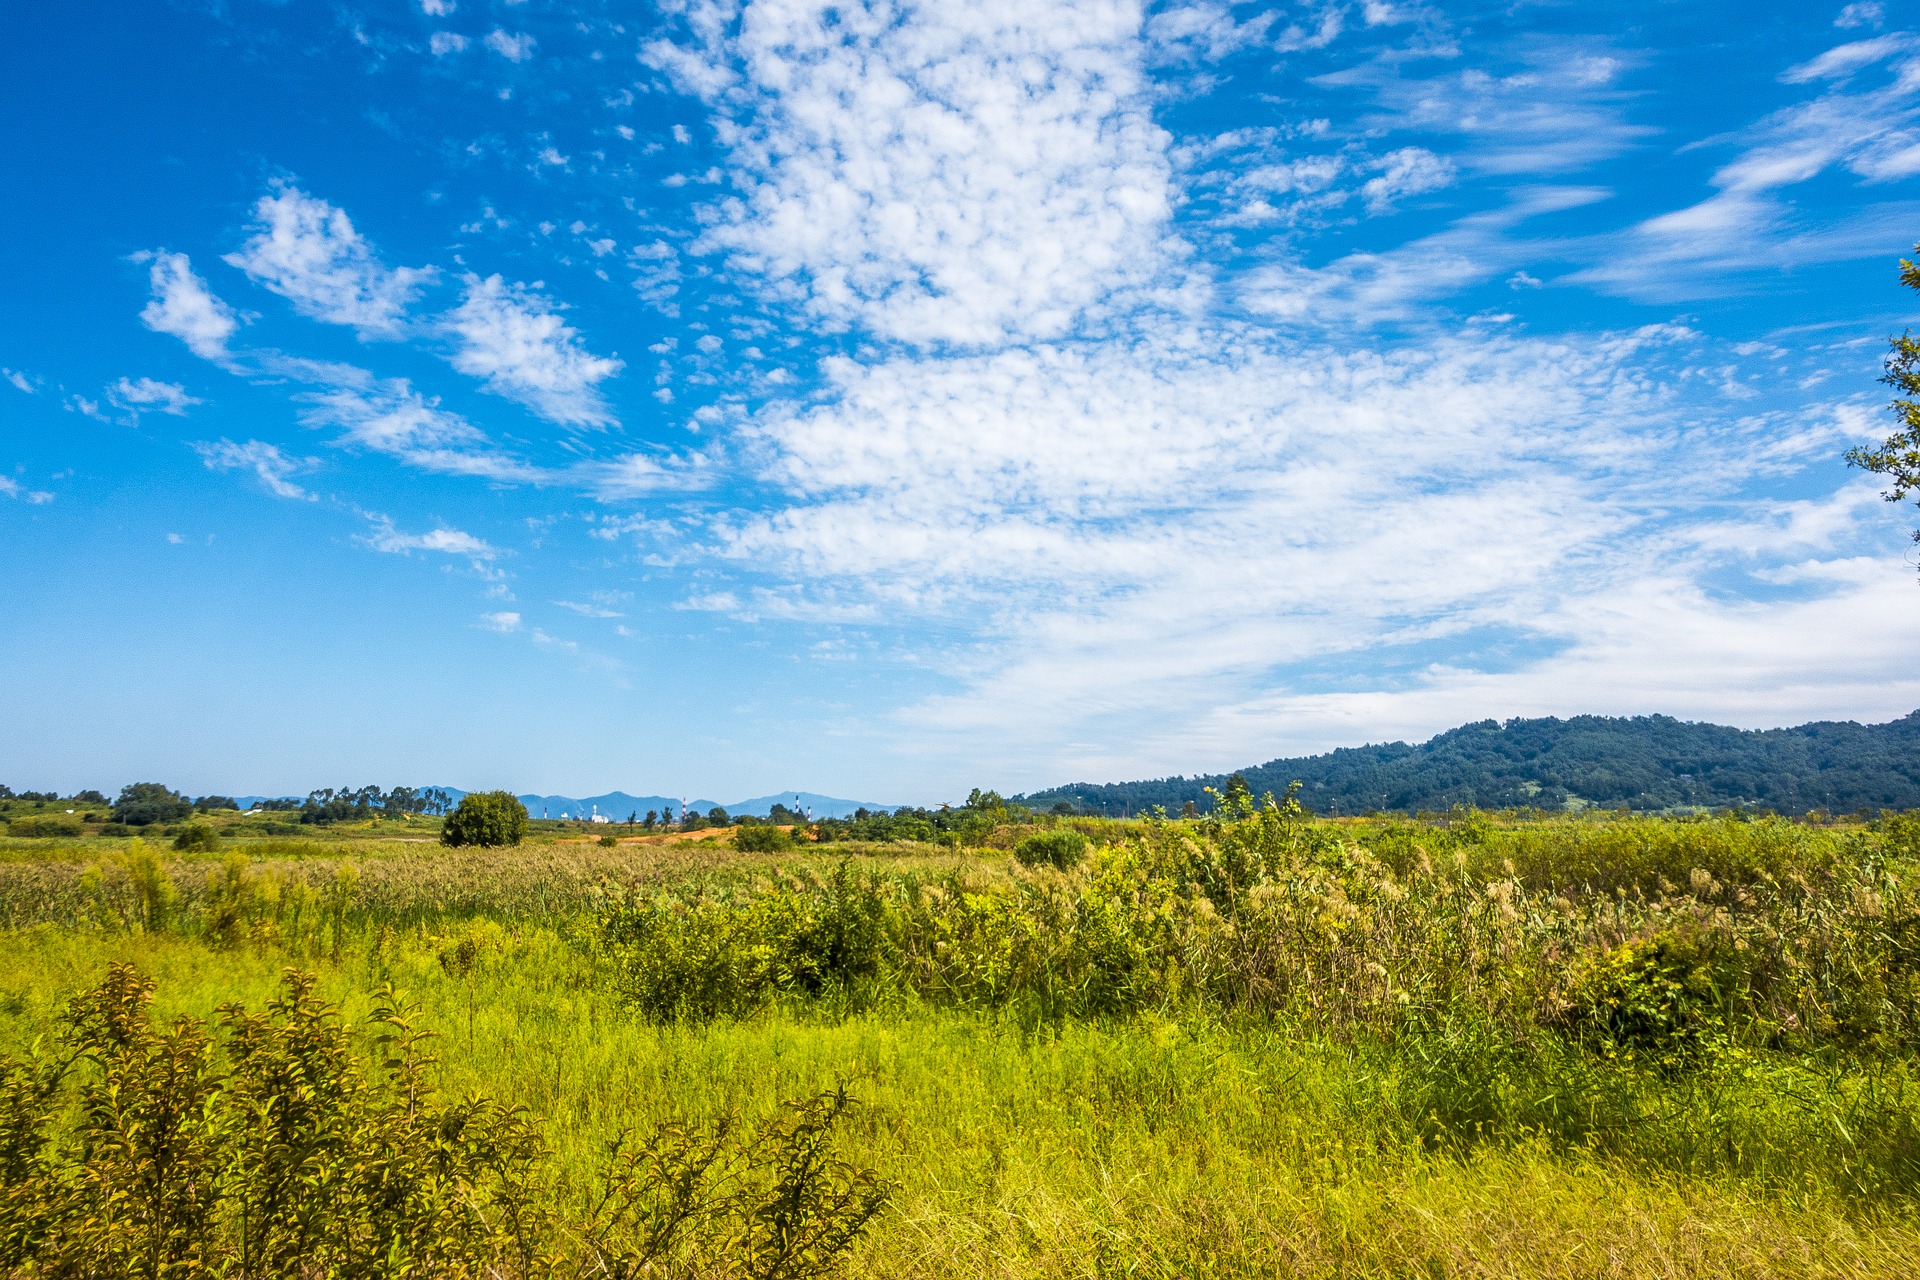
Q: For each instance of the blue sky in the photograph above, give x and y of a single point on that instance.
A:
(715, 398)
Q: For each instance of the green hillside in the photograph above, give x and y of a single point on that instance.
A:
(1643, 763)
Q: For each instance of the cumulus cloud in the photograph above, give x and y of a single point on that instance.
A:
(183, 306)
(307, 251)
(270, 466)
(442, 43)
(146, 394)
(513, 339)
(517, 47)
(944, 173)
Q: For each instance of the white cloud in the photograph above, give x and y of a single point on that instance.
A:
(164, 397)
(442, 43)
(86, 408)
(513, 339)
(514, 48)
(437, 8)
(267, 463)
(1863, 13)
(308, 252)
(388, 416)
(505, 622)
(11, 488)
(1712, 246)
(384, 536)
(184, 307)
(947, 173)
(1560, 110)
(1408, 171)
(18, 379)
(1204, 31)
(589, 610)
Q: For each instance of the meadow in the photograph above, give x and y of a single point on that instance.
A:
(1255, 1043)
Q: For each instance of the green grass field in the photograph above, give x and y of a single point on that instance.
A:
(1263, 1046)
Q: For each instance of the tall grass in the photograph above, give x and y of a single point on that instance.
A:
(1262, 1045)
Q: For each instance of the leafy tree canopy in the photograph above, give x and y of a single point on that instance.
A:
(144, 803)
(486, 818)
(1898, 456)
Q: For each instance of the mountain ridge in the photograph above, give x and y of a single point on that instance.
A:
(1647, 763)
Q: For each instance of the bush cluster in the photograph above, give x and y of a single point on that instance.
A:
(264, 1148)
(1646, 938)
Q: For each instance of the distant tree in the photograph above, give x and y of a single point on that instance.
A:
(652, 819)
(6, 792)
(1898, 456)
(486, 818)
(1063, 806)
(207, 804)
(632, 818)
(197, 837)
(718, 817)
(1189, 810)
(142, 804)
(84, 797)
(781, 816)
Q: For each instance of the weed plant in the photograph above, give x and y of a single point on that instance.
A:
(1258, 1044)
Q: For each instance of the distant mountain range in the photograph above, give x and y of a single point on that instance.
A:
(618, 805)
(1644, 763)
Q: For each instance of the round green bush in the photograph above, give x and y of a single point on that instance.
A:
(197, 837)
(486, 818)
(1062, 849)
(761, 839)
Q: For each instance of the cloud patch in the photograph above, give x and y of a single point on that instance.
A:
(184, 307)
(308, 252)
(271, 467)
(513, 339)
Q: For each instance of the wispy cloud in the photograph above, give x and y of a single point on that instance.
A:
(147, 394)
(1713, 246)
(386, 415)
(505, 622)
(308, 252)
(183, 306)
(19, 380)
(272, 467)
(386, 536)
(13, 489)
(512, 338)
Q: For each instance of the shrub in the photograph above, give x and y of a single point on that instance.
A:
(609, 841)
(116, 829)
(197, 837)
(48, 826)
(486, 818)
(1062, 849)
(266, 1147)
(761, 839)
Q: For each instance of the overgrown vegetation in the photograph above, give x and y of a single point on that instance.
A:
(266, 1148)
(1241, 1044)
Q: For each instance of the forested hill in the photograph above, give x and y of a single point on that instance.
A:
(1646, 762)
